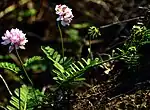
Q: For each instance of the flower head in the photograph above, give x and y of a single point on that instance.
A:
(65, 14)
(16, 38)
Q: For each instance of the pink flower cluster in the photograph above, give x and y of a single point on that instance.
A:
(16, 38)
(65, 14)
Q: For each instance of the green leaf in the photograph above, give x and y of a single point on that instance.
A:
(56, 58)
(74, 72)
(9, 66)
(32, 60)
(27, 98)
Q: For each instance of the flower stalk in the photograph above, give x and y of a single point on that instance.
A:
(90, 49)
(62, 42)
(23, 67)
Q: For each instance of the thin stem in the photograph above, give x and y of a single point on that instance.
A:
(25, 73)
(5, 84)
(90, 47)
(119, 22)
(62, 42)
(23, 67)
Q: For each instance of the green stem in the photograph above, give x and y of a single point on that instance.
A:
(62, 42)
(90, 47)
(25, 73)
(23, 67)
(5, 84)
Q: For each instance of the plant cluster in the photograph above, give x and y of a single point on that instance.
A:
(67, 73)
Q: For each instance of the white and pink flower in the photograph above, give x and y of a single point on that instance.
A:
(65, 14)
(16, 38)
